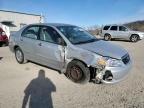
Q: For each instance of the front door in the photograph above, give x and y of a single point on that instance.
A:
(123, 32)
(49, 51)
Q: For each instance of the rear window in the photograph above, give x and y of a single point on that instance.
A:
(106, 27)
(114, 28)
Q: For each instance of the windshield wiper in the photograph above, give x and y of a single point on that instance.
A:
(88, 41)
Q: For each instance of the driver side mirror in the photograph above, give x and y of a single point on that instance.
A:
(61, 42)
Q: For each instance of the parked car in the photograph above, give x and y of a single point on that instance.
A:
(121, 32)
(3, 38)
(72, 51)
(5, 29)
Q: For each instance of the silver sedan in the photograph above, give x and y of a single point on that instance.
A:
(72, 51)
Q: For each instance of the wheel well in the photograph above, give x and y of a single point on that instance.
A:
(15, 47)
(80, 61)
(134, 34)
(107, 34)
(92, 69)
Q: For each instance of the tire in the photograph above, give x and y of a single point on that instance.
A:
(107, 37)
(19, 55)
(78, 72)
(4, 44)
(134, 38)
(7, 43)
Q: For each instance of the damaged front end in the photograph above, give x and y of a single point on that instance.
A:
(105, 73)
(102, 69)
(101, 76)
(99, 73)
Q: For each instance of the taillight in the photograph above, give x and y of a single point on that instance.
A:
(3, 33)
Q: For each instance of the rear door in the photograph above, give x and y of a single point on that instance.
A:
(114, 31)
(48, 49)
(28, 42)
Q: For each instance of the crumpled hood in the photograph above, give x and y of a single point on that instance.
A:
(104, 48)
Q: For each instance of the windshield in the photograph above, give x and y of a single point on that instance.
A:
(76, 35)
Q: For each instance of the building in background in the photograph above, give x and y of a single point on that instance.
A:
(16, 20)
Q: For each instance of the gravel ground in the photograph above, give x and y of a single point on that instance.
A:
(55, 90)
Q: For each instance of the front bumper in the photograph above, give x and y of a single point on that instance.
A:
(119, 73)
(141, 36)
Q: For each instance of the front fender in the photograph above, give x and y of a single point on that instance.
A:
(89, 58)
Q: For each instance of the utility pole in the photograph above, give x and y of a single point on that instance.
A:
(41, 18)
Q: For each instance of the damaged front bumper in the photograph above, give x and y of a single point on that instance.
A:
(113, 74)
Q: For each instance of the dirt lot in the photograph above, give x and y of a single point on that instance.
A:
(62, 93)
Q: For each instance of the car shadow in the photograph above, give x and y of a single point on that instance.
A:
(45, 66)
(122, 40)
(38, 92)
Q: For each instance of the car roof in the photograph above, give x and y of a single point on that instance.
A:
(52, 24)
(114, 25)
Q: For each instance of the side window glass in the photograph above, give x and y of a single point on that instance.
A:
(31, 32)
(122, 28)
(114, 28)
(48, 34)
(106, 27)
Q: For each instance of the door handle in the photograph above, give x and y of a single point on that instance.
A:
(40, 44)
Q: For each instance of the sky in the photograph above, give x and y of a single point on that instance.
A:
(80, 12)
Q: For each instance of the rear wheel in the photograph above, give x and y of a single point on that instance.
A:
(19, 56)
(78, 72)
(2, 44)
(107, 37)
(134, 38)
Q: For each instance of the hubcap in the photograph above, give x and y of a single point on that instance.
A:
(134, 38)
(19, 55)
(76, 73)
(106, 37)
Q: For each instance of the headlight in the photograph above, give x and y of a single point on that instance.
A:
(110, 62)
(101, 63)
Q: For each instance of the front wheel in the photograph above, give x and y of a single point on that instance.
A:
(19, 56)
(78, 72)
(134, 38)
